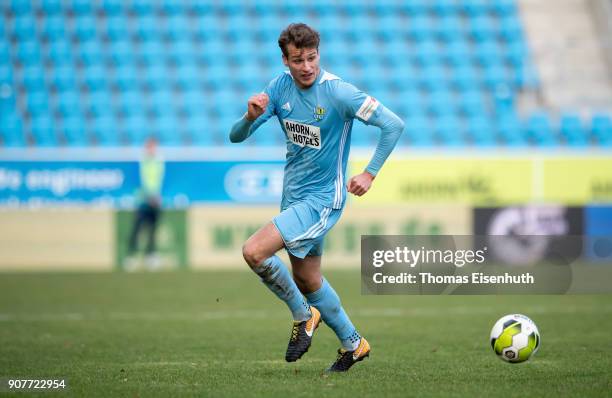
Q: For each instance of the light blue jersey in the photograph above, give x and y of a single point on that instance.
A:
(317, 123)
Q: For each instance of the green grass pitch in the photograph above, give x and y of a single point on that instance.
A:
(224, 334)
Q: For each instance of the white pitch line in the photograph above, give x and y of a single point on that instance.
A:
(258, 314)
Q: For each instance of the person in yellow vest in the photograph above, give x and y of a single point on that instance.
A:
(149, 206)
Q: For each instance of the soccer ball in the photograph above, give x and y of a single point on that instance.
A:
(515, 338)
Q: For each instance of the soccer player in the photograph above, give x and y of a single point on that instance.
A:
(316, 110)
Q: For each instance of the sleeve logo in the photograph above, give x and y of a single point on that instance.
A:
(367, 108)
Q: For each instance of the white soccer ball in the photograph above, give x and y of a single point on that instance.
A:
(515, 338)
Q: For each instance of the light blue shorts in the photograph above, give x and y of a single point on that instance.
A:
(303, 226)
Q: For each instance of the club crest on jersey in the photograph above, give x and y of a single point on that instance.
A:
(319, 112)
(303, 134)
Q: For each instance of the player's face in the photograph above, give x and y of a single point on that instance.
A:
(303, 63)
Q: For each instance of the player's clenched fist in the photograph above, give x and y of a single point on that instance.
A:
(257, 105)
(360, 184)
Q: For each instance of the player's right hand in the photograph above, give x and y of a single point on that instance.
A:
(257, 106)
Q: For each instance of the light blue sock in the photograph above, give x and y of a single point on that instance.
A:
(326, 300)
(277, 278)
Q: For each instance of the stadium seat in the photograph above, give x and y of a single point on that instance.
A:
(84, 27)
(141, 7)
(22, 28)
(50, 7)
(69, 104)
(53, 27)
(572, 130)
(115, 28)
(539, 129)
(29, 53)
(73, 131)
(511, 132)
(11, 132)
(63, 77)
(43, 131)
(112, 7)
(601, 127)
(90, 53)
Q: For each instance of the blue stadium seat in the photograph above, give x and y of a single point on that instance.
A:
(155, 76)
(69, 104)
(414, 7)
(481, 131)
(147, 28)
(418, 131)
(63, 77)
(19, 7)
(23, 27)
(131, 102)
(572, 130)
(475, 8)
(136, 125)
(126, 77)
(116, 28)
(121, 53)
(482, 28)
(434, 78)
(5, 56)
(112, 7)
(472, 103)
(43, 131)
(601, 128)
(151, 51)
(141, 7)
(74, 132)
(511, 131)
(539, 129)
(175, 26)
(428, 52)
(84, 27)
(53, 27)
(60, 51)
(11, 131)
(505, 7)
(465, 78)
(420, 27)
(172, 7)
(98, 103)
(496, 75)
(198, 131)
(457, 52)
(449, 130)
(448, 28)
(442, 103)
(510, 28)
(488, 52)
(6, 74)
(32, 77)
(106, 131)
(28, 52)
(95, 77)
(50, 7)
(81, 7)
(90, 53)
(444, 8)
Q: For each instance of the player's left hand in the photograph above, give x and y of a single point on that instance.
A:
(360, 184)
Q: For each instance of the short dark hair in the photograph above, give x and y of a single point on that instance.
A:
(300, 35)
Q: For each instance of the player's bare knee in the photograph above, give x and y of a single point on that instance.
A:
(252, 255)
(307, 284)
